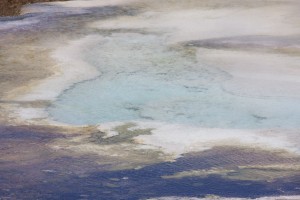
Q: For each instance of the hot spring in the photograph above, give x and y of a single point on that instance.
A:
(143, 78)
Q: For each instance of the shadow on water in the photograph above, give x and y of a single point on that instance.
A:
(147, 182)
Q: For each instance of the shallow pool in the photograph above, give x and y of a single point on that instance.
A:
(143, 78)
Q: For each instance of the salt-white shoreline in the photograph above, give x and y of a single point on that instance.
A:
(70, 69)
(177, 139)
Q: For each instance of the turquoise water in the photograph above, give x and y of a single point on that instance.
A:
(144, 79)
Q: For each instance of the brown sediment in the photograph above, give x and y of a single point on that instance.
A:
(13, 7)
(21, 63)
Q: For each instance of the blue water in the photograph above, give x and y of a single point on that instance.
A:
(148, 183)
(144, 79)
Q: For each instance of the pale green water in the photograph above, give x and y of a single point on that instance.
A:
(143, 79)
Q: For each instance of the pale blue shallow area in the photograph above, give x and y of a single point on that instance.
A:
(143, 79)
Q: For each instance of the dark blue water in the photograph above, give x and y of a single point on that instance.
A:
(147, 182)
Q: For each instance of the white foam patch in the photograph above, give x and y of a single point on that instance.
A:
(177, 139)
(108, 128)
(31, 113)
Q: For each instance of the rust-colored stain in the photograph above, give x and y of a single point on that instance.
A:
(13, 7)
